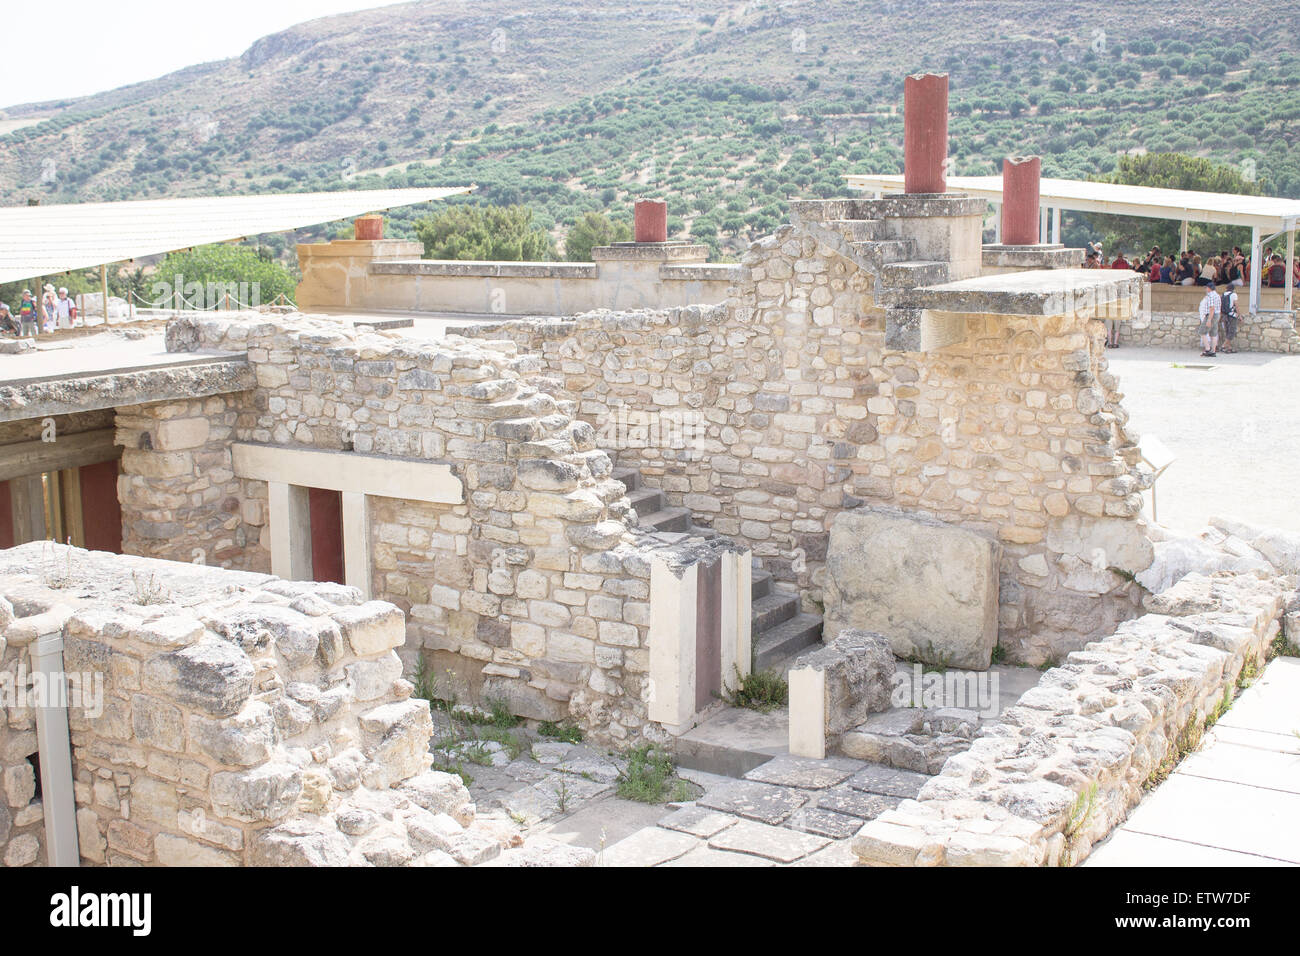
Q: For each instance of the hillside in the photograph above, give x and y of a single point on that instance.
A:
(725, 109)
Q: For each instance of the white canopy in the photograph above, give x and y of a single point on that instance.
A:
(1265, 216)
(40, 241)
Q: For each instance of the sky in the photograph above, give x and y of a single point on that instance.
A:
(75, 47)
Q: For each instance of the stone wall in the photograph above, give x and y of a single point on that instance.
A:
(1064, 765)
(795, 410)
(1178, 330)
(180, 497)
(534, 589)
(389, 274)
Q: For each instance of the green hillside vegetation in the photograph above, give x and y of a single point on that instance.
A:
(725, 112)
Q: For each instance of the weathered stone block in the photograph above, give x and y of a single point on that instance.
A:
(372, 628)
(268, 792)
(931, 588)
(835, 687)
(213, 675)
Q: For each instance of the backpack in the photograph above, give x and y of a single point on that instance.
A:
(1228, 305)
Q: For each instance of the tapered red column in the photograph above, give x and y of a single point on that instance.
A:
(925, 132)
(650, 220)
(1020, 185)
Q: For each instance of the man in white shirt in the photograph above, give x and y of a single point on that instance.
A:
(1209, 327)
(65, 310)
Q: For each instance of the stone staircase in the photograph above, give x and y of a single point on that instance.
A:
(853, 229)
(779, 630)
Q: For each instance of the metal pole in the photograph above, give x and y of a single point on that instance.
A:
(1042, 224)
(1255, 252)
(1056, 226)
(1290, 267)
(56, 754)
(1182, 237)
(103, 285)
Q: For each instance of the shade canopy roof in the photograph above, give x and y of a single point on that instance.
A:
(1268, 213)
(45, 240)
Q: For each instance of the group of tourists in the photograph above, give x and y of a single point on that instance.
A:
(1190, 268)
(54, 310)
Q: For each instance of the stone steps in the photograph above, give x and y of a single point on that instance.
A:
(666, 519)
(856, 230)
(910, 274)
(777, 645)
(773, 609)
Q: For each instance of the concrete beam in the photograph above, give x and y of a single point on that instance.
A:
(407, 478)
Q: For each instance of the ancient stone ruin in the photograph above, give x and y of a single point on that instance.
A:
(881, 442)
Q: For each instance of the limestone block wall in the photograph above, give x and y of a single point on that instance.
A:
(797, 411)
(1178, 330)
(239, 719)
(1065, 764)
(179, 494)
(534, 589)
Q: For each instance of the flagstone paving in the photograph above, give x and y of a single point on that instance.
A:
(1235, 801)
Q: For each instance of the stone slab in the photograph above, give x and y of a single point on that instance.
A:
(697, 821)
(1248, 765)
(1230, 816)
(856, 803)
(888, 781)
(755, 801)
(805, 773)
(706, 856)
(1126, 848)
(771, 843)
(650, 847)
(822, 822)
(930, 587)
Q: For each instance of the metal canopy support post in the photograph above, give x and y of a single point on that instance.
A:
(1056, 225)
(56, 754)
(103, 286)
(1182, 237)
(1042, 224)
(1255, 255)
(1290, 270)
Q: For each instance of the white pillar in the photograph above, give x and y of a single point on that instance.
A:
(1182, 237)
(290, 521)
(1255, 255)
(356, 542)
(1056, 226)
(997, 223)
(1042, 224)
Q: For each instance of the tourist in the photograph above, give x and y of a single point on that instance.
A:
(1153, 269)
(1091, 261)
(1209, 327)
(1120, 262)
(1184, 275)
(1152, 261)
(1169, 270)
(29, 314)
(1232, 270)
(1228, 318)
(66, 310)
(1210, 272)
(8, 324)
(1274, 276)
(49, 308)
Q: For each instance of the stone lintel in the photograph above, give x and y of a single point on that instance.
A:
(1095, 293)
(1036, 256)
(493, 270)
(348, 471)
(361, 248)
(184, 379)
(675, 251)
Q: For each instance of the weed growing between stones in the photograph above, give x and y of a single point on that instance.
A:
(149, 591)
(651, 777)
(763, 691)
(1080, 813)
(1283, 646)
(566, 731)
(1250, 670)
(999, 654)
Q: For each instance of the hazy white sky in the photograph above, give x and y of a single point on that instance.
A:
(60, 48)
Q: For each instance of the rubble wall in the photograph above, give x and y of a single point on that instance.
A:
(799, 412)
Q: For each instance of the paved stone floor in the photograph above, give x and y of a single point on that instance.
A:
(1235, 428)
(1236, 800)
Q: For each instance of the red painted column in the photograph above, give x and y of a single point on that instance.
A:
(925, 132)
(650, 220)
(1020, 182)
(368, 227)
